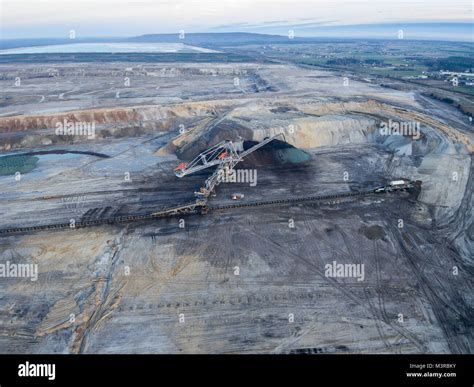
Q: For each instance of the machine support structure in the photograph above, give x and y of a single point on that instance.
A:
(224, 156)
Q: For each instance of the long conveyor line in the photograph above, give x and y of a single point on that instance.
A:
(186, 209)
(291, 200)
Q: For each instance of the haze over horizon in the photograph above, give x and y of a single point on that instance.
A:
(339, 18)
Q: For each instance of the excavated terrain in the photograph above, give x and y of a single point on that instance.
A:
(244, 280)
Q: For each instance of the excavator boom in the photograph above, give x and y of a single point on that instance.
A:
(223, 155)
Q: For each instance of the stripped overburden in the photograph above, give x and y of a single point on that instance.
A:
(241, 278)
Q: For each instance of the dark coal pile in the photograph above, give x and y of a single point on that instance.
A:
(227, 130)
(274, 153)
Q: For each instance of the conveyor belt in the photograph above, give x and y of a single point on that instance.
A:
(186, 209)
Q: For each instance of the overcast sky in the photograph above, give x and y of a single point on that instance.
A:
(55, 18)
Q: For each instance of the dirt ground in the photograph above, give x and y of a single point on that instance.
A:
(248, 280)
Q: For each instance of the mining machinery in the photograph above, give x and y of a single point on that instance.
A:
(224, 156)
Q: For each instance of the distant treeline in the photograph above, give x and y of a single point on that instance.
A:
(352, 61)
(451, 63)
(342, 61)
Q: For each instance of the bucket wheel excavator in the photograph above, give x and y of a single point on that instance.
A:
(224, 156)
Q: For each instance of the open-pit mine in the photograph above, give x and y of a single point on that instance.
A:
(258, 206)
